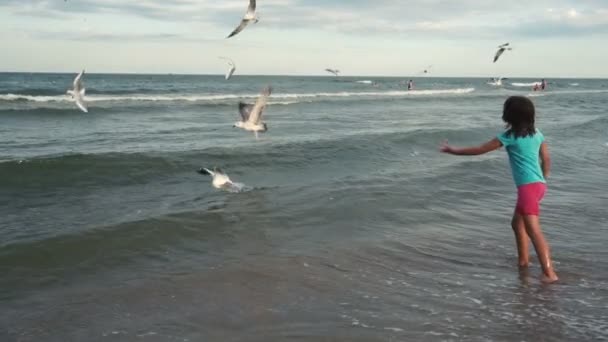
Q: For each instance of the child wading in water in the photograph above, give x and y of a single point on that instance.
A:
(524, 144)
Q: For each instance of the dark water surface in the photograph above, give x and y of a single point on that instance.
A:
(353, 226)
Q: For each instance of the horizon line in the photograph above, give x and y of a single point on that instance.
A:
(290, 75)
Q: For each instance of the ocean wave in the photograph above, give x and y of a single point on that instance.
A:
(129, 164)
(598, 124)
(517, 84)
(229, 97)
(390, 93)
(588, 91)
(570, 92)
(116, 98)
(365, 81)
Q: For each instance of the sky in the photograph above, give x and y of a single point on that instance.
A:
(550, 38)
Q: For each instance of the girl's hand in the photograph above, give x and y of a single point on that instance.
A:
(445, 148)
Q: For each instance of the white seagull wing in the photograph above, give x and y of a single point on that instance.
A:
(498, 53)
(80, 102)
(230, 72)
(251, 8)
(240, 28)
(229, 60)
(78, 81)
(255, 115)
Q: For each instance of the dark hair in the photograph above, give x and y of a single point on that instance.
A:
(518, 112)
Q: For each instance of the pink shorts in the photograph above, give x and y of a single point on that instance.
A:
(529, 197)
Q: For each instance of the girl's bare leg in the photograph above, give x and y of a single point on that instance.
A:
(521, 239)
(541, 246)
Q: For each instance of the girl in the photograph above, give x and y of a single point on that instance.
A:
(524, 143)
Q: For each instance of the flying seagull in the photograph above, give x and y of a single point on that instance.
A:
(248, 18)
(231, 69)
(251, 115)
(427, 70)
(501, 50)
(221, 179)
(336, 72)
(78, 92)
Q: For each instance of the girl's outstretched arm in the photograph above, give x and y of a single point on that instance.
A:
(490, 146)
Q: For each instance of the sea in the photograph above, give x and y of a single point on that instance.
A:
(352, 226)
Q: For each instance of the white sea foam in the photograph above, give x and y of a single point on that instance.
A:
(134, 97)
(225, 97)
(516, 84)
(475, 300)
(393, 329)
(565, 92)
(365, 81)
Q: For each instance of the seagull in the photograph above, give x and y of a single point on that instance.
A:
(333, 71)
(78, 92)
(231, 69)
(427, 70)
(497, 81)
(221, 179)
(252, 114)
(501, 50)
(249, 17)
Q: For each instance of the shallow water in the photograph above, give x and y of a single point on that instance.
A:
(354, 227)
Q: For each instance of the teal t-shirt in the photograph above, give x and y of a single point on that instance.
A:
(524, 157)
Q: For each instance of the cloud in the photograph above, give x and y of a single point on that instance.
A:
(105, 37)
(581, 17)
(566, 22)
(426, 19)
(169, 10)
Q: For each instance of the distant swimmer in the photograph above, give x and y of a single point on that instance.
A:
(410, 85)
(543, 84)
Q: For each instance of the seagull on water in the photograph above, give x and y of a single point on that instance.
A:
(497, 81)
(336, 72)
(251, 115)
(248, 18)
(78, 92)
(231, 69)
(221, 179)
(501, 50)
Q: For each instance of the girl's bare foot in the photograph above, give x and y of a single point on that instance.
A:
(549, 279)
